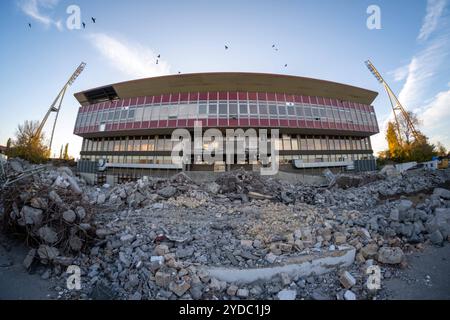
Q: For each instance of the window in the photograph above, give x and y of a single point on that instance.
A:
(122, 145)
(336, 115)
(308, 112)
(316, 114)
(168, 144)
(212, 109)
(273, 110)
(131, 114)
(123, 116)
(342, 115)
(164, 113)
(291, 111)
(317, 144)
(263, 110)
(160, 143)
(233, 109)
(294, 143)
(299, 111)
(243, 108)
(282, 111)
(310, 143)
(202, 110)
(287, 143)
(137, 144)
(151, 144)
(253, 109)
(192, 111)
(144, 144)
(155, 113)
(223, 109)
(139, 114)
(323, 141)
(147, 113)
(173, 112)
(130, 144)
(330, 114)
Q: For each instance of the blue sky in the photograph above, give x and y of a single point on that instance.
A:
(317, 38)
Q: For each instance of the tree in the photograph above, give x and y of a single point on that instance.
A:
(66, 152)
(395, 149)
(405, 130)
(441, 150)
(27, 145)
(421, 150)
(61, 152)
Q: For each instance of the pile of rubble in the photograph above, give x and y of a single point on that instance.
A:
(157, 238)
(48, 209)
(158, 248)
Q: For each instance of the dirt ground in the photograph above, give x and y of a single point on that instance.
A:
(15, 282)
(426, 278)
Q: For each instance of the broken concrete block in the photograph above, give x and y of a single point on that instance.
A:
(28, 261)
(69, 216)
(179, 287)
(163, 279)
(31, 215)
(287, 295)
(47, 254)
(242, 293)
(390, 255)
(349, 295)
(442, 193)
(161, 250)
(347, 280)
(48, 235)
(232, 290)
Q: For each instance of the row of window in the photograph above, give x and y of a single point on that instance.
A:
(224, 109)
(282, 159)
(284, 143)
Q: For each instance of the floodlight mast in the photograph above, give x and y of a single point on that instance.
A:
(397, 107)
(58, 101)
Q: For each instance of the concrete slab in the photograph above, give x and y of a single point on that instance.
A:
(302, 266)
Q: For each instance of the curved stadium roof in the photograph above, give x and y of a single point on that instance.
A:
(228, 81)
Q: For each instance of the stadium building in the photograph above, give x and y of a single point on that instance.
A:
(126, 127)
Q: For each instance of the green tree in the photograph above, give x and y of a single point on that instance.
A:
(28, 145)
(441, 150)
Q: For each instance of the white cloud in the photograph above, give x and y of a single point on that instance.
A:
(431, 20)
(422, 69)
(436, 118)
(400, 74)
(32, 8)
(131, 59)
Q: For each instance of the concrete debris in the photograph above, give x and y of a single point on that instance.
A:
(173, 238)
(287, 295)
(349, 295)
(347, 280)
(50, 208)
(390, 255)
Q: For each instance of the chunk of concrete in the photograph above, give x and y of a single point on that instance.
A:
(301, 266)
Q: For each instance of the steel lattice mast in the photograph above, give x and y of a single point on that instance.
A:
(57, 103)
(397, 107)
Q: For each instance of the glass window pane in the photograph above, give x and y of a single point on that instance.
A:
(223, 109)
(233, 108)
(243, 108)
(273, 110)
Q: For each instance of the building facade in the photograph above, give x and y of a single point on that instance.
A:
(127, 127)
